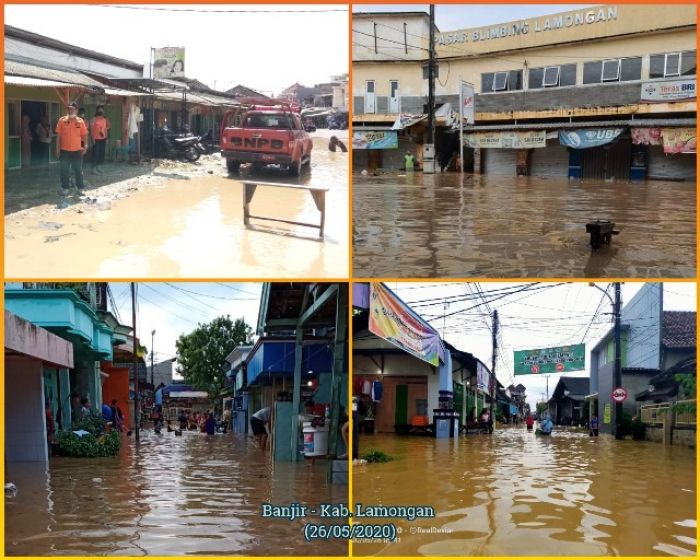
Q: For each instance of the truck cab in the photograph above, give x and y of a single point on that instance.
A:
(267, 134)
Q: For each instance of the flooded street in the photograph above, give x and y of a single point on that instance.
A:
(182, 220)
(508, 227)
(515, 494)
(172, 496)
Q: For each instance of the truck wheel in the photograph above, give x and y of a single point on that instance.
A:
(295, 169)
(232, 166)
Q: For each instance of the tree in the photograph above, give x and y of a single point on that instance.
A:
(201, 353)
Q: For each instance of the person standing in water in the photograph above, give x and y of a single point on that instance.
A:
(409, 160)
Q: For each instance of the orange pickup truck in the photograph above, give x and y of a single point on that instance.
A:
(267, 134)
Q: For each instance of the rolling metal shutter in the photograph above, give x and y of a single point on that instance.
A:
(552, 161)
(671, 166)
(499, 161)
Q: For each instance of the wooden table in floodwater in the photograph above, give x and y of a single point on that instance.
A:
(317, 193)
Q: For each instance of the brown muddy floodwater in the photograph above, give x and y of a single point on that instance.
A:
(172, 496)
(183, 221)
(514, 227)
(515, 494)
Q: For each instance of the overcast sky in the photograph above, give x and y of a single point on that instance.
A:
(175, 308)
(459, 16)
(537, 319)
(264, 51)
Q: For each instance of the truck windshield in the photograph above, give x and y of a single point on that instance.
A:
(268, 121)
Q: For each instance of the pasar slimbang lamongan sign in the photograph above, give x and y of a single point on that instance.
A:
(392, 320)
(559, 359)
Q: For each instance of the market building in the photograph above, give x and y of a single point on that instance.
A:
(401, 388)
(59, 339)
(43, 74)
(606, 92)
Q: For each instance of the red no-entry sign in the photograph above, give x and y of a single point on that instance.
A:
(619, 394)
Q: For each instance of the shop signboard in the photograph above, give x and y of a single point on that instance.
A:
(375, 140)
(672, 90)
(169, 62)
(607, 414)
(558, 359)
(679, 140)
(466, 93)
(646, 136)
(515, 139)
(395, 322)
(483, 378)
(588, 138)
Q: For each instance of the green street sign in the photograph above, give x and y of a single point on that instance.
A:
(560, 359)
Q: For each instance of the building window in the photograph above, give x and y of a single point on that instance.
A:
(612, 70)
(552, 76)
(669, 65)
(502, 81)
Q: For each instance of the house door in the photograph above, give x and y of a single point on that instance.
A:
(369, 97)
(14, 126)
(401, 413)
(54, 115)
(394, 97)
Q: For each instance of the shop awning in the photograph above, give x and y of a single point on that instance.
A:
(33, 82)
(589, 124)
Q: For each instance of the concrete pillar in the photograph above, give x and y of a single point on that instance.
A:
(433, 392)
(25, 421)
(64, 390)
(477, 160)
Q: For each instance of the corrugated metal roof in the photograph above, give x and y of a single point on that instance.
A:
(124, 92)
(74, 79)
(34, 82)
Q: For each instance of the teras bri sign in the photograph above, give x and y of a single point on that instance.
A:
(559, 359)
(550, 23)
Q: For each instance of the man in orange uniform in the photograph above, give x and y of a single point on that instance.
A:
(71, 147)
(99, 130)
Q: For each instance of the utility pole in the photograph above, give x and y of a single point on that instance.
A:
(153, 335)
(494, 343)
(429, 152)
(617, 307)
(136, 369)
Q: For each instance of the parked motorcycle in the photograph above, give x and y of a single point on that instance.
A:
(206, 143)
(173, 146)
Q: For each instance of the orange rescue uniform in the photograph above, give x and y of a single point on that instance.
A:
(100, 126)
(71, 134)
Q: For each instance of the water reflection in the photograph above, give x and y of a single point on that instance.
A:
(515, 494)
(419, 225)
(173, 495)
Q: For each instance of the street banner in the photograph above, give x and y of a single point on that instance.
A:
(392, 320)
(375, 140)
(169, 62)
(679, 140)
(646, 136)
(466, 102)
(558, 359)
(674, 90)
(588, 138)
(515, 139)
(483, 378)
